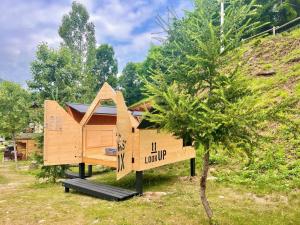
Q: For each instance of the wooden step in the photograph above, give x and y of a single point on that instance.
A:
(102, 191)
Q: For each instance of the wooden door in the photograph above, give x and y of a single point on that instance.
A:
(62, 136)
(124, 138)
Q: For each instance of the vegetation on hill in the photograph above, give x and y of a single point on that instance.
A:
(272, 66)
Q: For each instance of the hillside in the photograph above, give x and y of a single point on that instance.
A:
(272, 65)
(274, 61)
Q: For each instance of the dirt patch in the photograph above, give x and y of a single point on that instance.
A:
(188, 179)
(150, 196)
(268, 199)
(270, 53)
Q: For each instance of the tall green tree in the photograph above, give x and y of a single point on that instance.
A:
(54, 75)
(153, 61)
(193, 98)
(14, 110)
(78, 34)
(130, 83)
(106, 66)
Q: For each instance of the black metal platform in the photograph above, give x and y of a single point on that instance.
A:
(102, 191)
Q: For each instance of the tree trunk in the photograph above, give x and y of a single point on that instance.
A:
(15, 151)
(203, 180)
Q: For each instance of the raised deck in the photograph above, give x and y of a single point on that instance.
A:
(102, 191)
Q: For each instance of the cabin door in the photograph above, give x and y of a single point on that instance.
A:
(124, 138)
(62, 136)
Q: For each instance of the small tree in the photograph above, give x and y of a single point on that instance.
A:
(193, 98)
(14, 110)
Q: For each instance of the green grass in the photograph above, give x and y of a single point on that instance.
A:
(232, 204)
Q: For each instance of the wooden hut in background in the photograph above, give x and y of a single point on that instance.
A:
(27, 144)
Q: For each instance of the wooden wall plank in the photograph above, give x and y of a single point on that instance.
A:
(124, 137)
(62, 140)
(161, 148)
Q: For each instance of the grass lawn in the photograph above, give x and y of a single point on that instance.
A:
(25, 201)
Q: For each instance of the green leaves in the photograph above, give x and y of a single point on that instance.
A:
(78, 35)
(194, 98)
(130, 83)
(54, 75)
(105, 68)
(14, 108)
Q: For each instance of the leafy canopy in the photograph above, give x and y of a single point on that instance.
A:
(130, 83)
(78, 34)
(14, 108)
(106, 66)
(54, 75)
(192, 97)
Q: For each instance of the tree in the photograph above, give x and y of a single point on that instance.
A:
(54, 75)
(106, 66)
(193, 98)
(14, 110)
(79, 35)
(153, 61)
(130, 83)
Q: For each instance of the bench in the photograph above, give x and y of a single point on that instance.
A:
(102, 191)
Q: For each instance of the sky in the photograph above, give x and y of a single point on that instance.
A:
(127, 25)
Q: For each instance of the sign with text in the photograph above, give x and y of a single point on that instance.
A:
(124, 138)
(158, 148)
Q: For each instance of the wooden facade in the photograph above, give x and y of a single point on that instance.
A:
(27, 145)
(73, 137)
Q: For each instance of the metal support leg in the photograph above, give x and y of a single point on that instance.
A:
(193, 167)
(90, 170)
(82, 170)
(139, 182)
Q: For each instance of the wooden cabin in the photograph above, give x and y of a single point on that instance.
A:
(26, 144)
(90, 133)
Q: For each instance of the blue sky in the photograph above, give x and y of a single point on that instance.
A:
(125, 24)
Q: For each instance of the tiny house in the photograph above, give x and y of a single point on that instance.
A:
(27, 145)
(111, 136)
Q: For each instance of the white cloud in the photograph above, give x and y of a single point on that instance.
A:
(127, 25)
(116, 23)
(23, 25)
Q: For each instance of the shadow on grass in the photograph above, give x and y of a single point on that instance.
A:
(150, 180)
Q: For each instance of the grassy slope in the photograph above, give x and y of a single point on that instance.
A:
(251, 196)
(277, 167)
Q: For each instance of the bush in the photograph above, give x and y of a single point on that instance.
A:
(51, 173)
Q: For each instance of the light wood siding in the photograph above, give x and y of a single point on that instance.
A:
(160, 148)
(62, 141)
